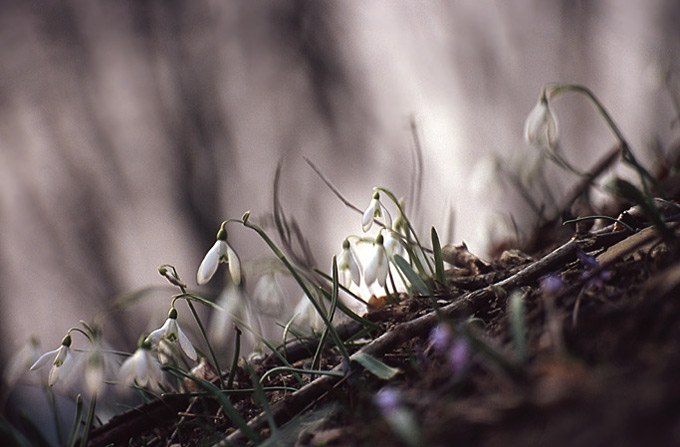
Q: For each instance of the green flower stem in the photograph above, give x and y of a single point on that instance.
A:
(626, 152)
(331, 314)
(88, 421)
(300, 371)
(188, 298)
(210, 348)
(279, 254)
(234, 361)
(76, 422)
(585, 218)
(55, 412)
(410, 227)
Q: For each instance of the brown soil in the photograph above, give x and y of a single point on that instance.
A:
(602, 361)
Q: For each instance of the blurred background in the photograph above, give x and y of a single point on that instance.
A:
(129, 130)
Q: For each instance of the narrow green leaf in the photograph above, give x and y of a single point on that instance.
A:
(438, 260)
(416, 282)
(518, 323)
(76, 422)
(12, 436)
(375, 366)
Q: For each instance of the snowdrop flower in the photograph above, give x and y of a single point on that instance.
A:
(375, 209)
(94, 369)
(220, 252)
(268, 294)
(348, 265)
(540, 128)
(171, 332)
(142, 368)
(21, 361)
(307, 317)
(392, 244)
(61, 359)
(234, 309)
(378, 266)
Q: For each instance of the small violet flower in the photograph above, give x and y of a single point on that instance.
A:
(540, 128)
(388, 400)
(61, 359)
(459, 355)
(552, 284)
(440, 337)
(171, 332)
(220, 252)
(375, 209)
(590, 263)
(349, 265)
(378, 266)
(142, 368)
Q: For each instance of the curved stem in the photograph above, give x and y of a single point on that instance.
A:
(408, 223)
(301, 282)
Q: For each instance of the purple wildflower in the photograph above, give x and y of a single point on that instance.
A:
(459, 355)
(590, 263)
(388, 400)
(440, 337)
(552, 284)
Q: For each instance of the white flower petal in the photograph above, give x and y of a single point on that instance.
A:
(383, 267)
(63, 370)
(234, 265)
(392, 244)
(210, 262)
(186, 345)
(369, 214)
(44, 359)
(387, 218)
(377, 267)
(308, 318)
(540, 128)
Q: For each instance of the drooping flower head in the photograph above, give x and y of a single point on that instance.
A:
(21, 361)
(540, 128)
(141, 368)
(378, 266)
(171, 332)
(61, 359)
(392, 243)
(375, 209)
(221, 251)
(348, 265)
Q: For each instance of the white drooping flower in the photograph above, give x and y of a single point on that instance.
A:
(233, 309)
(142, 368)
(171, 332)
(392, 244)
(94, 367)
(540, 128)
(348, 265)
(221, 251)
(307, 318)
(21, 361)
(375, 209)
(268, 295)
(378, 266)
(61, 359)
